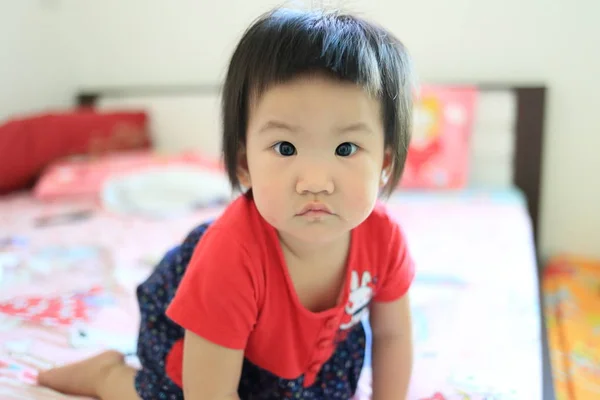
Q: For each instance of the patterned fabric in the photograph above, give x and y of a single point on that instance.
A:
(572, 307)
(338, 378)
(471, 289)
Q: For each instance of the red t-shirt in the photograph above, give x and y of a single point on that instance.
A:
(237, 293)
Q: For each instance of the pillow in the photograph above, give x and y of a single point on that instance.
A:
(86, 177)
(165, 191)
(29, 144)
(438, 155)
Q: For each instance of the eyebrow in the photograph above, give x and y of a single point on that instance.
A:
(272, 124)
(279, 125)
(357, 127)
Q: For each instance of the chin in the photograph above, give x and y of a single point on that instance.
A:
(318, 234)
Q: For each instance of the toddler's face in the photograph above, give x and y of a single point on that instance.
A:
(315, 144)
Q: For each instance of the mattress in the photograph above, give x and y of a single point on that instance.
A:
(70, 270)
(572, 305)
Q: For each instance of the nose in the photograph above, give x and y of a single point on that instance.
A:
(315, 178)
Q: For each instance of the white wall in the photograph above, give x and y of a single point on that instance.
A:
(185, 42)
(34, 63)
(553, 41)
(156, 42)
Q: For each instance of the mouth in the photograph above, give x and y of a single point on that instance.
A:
(315, 209)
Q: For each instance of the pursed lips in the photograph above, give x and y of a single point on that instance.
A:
(315, 209)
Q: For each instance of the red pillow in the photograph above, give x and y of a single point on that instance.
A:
(438, 155)
(27, 145)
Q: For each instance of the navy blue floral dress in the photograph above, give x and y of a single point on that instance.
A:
(337, 379)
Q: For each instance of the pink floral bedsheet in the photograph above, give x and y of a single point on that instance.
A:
(68, 272)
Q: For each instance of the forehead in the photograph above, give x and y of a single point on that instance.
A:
(313, 99)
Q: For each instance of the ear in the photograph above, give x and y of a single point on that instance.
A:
(386, 168)
(243, 173)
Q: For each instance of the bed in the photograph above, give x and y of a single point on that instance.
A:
(476, 299)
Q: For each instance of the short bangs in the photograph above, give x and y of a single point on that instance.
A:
(285, 44)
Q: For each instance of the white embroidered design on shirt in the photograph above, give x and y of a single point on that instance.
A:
(361, 294)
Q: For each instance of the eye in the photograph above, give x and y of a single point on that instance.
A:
(346, 149)
(285, 149)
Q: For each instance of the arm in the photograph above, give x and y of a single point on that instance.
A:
(210, 372)
(217, 305)
(392, 349)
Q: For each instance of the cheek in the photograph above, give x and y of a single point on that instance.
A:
(362, 193)
(362, 188)
(364, 201)
(367, 172)
(264, 180)
(269, 196)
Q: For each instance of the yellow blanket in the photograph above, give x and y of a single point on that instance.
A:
(572, 305)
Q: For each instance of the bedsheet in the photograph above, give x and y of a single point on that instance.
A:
(474, 300)
(572, 304)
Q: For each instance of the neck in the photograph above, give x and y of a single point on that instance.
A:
(316, 252)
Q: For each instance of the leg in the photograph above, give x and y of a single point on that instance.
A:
(119, 384)
(105, 376)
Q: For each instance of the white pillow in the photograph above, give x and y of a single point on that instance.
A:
(165, 191)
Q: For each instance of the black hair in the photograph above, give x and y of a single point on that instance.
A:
(286, 43)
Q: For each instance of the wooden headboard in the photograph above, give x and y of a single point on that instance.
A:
(515, 111)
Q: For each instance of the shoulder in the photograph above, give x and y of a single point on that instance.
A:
(239, 221)
(226, 246)
(223, 283)
(230, 230)
(382, 236)
(393, 262)
(381, 225)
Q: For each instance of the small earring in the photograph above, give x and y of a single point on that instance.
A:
(384, 177)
